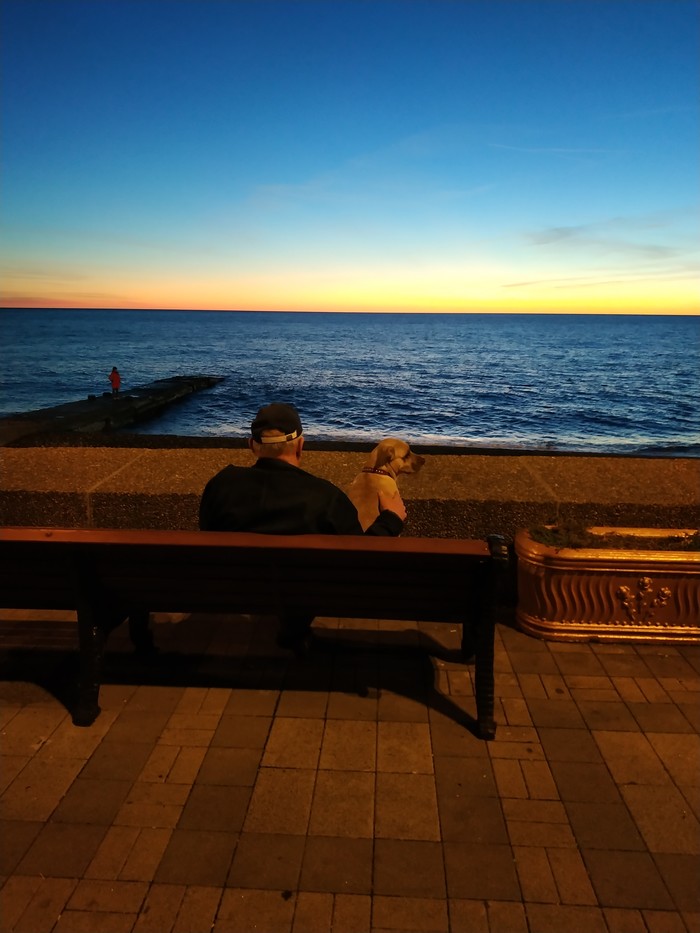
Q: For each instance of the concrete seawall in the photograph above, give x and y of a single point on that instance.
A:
(458, 494)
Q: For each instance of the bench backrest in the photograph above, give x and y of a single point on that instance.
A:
(345, 576)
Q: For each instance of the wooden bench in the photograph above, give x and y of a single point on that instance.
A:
(108, 576)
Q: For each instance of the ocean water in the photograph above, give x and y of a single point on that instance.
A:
(589, 383)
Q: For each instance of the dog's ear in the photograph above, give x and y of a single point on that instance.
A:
(382, 453)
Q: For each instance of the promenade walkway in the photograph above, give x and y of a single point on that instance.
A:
(231, 789)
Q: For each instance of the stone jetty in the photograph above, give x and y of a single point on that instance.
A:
(104, 412)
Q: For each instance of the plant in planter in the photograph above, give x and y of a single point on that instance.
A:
(609, 584)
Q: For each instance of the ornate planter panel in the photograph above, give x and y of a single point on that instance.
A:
(609, 595)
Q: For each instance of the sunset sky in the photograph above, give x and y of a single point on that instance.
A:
(449, 155)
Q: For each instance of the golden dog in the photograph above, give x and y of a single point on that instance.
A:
(389, 458)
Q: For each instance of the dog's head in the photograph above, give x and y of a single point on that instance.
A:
(395, 455)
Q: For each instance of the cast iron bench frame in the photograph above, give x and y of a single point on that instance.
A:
(109, 575)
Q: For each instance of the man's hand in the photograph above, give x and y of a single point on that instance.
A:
(394, 503)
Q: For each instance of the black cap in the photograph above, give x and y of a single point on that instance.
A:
(276, 417)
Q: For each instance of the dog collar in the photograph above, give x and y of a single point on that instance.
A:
(375, 470)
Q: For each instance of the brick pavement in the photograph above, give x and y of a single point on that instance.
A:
(229, 789)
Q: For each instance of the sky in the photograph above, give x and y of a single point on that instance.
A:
(354, 155)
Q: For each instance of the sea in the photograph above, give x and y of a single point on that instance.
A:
(589, 383)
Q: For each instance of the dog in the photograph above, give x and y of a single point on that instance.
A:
(388, 460)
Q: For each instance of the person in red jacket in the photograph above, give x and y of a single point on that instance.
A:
(275, 496)
(115, 379)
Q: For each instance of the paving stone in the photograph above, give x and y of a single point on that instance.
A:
(404, 747)
(549, 835)
(663, 921)
(681, 873)
(15, 895)
(481, 871)
(664, 819)
(144, 858)
(62, 850)
(343, 804)
(680, 755)
(451, 739)
(38, 788)
(92, 801)
(160, 909)
(30, 728)
(215, 808)
(516, 712)
(535, 874)
(631, 758)
(535, 811)
(186, 765)
(523, 751)
(313, 913)
(337, 865)
(198, 909)
(281, 801)
(408, 868)
(197, 857)
(624, 665)
(563, 714)
(510, 780)
(113, 852)
(555, 686)
(406, 807)
(45, 906)
(137, 726)
(549, 918)
(352, 913)
(571, 877)
(626, 879)
(472, 776)
(349, 746)
(396, 707)
(472, 819)
(229, 766)
(343, 705)
(603, 826)
(533, 662)
(409, 914)
(267, 860)
(539, 780)
(117, 761)
(238, 731)
(506, 918)
(584, 781)
(250, 910)
(126, 896)
(293, 743)
(305, 704)
(568, 745)
(87, 921)
(17, 836)
(467, 916)
(624, 920)
(654, 717)
(11, 767)
(608, 716)
(150, 805)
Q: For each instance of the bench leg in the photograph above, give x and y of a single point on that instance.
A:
(484, 677)
(478, 641)
(92, 648)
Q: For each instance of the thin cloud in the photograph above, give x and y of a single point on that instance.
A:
(554, 150)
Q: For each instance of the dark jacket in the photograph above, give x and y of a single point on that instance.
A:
(274, 497)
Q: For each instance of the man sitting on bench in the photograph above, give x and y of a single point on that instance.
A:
(275, 496)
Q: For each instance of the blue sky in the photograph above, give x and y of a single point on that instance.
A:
(463, 156)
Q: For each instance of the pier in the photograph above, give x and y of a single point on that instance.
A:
(104, 412)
